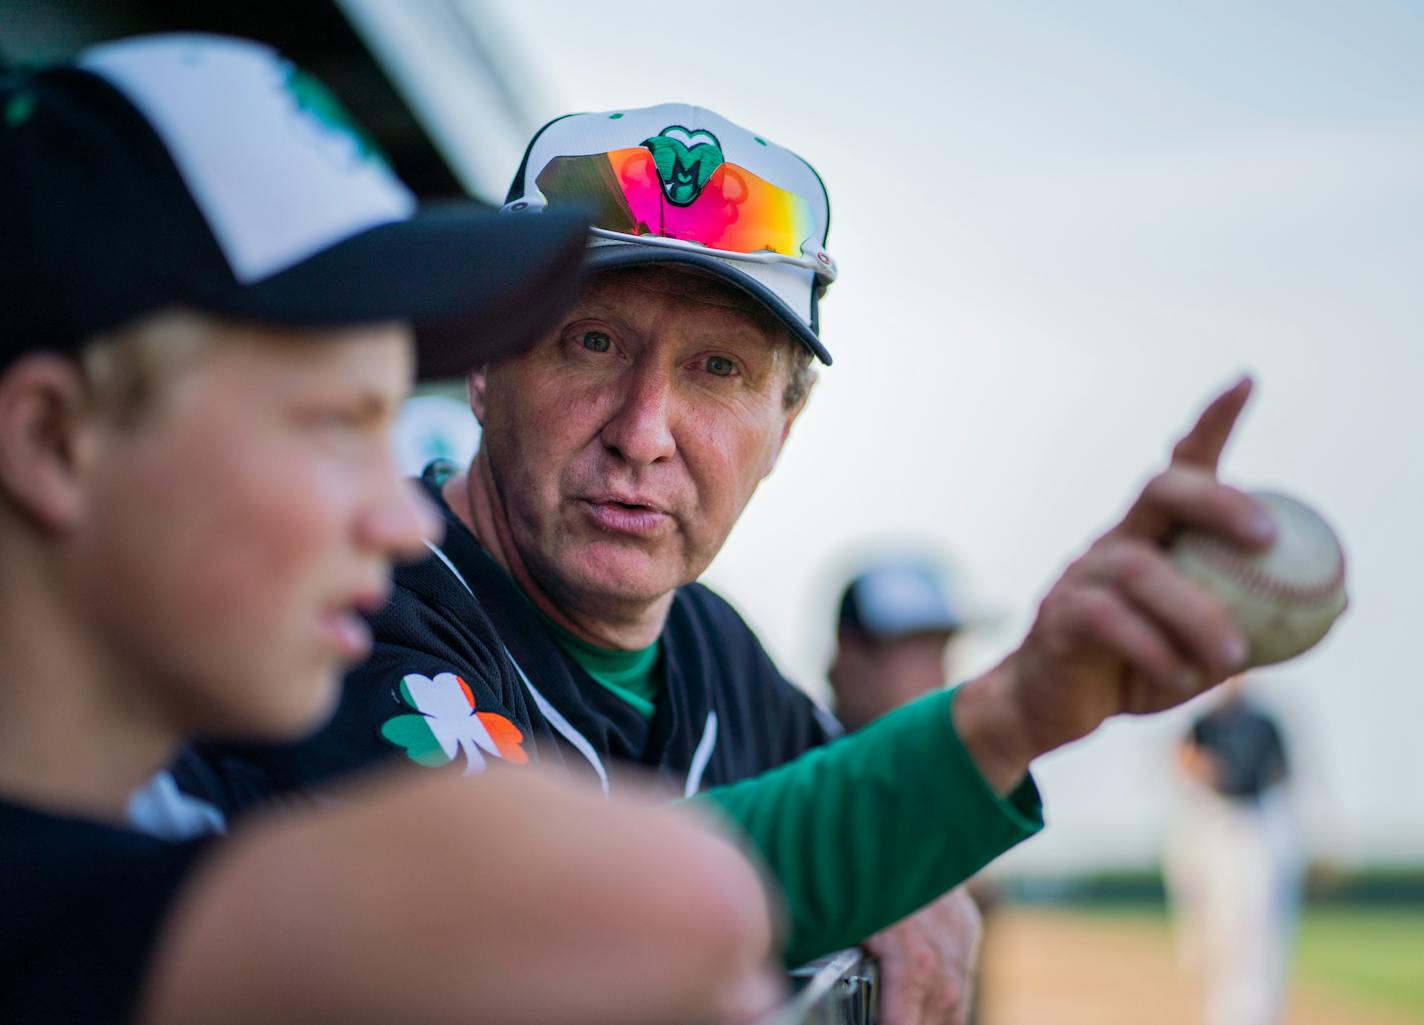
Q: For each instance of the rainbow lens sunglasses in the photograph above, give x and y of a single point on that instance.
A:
(642, 195)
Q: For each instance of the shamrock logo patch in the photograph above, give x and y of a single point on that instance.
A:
(685, 159)
(445, 722)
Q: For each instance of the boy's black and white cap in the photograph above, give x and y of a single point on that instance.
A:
(209, 172)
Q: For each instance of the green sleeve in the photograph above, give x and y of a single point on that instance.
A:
(865, 830)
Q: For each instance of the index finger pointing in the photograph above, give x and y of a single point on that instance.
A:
(1203, 444)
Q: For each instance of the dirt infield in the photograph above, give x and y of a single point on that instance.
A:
(1044, 967)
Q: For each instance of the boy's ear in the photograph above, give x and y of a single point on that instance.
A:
(44, 437)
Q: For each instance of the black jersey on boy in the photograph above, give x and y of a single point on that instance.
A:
(83, 905)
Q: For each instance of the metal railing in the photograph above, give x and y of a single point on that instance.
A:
(842, 989)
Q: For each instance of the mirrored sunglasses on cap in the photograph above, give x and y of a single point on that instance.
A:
(737, 212)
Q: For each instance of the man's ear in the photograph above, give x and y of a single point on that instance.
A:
(790, 418)
(45, 438)
(475, 386)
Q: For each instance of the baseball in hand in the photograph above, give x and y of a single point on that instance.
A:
(1283, 599)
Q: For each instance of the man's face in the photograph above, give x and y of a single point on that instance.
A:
(625, 444)
(240, 526)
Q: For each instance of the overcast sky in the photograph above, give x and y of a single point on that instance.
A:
(1060, 228)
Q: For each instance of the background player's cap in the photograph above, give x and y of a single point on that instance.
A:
(680, 184)
(897, 598)
(208, 172)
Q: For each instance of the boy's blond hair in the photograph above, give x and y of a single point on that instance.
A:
(130, 371)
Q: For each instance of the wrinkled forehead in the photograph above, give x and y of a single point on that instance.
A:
(621, 288)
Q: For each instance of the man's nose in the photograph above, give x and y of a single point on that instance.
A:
(640, 429)
(396, 524)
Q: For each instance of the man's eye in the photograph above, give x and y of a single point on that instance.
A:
(721, 366)
(596, 341)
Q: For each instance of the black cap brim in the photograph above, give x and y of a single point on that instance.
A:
(475, 284)
(607, 257)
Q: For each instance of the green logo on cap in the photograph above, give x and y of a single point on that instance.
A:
(685, 160)
(317, 102)
(19, 109)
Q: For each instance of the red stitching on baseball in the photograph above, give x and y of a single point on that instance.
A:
(1231, 561)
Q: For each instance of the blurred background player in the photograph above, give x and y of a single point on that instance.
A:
(893, 630)
(895, 626)
(1234, 862)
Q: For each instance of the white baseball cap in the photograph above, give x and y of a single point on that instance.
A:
(680, 184)
(899, 596)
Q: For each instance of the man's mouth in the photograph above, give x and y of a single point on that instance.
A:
(625, 514)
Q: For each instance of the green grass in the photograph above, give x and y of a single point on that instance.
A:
(1375, 956)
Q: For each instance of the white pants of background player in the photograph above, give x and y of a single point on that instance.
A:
(1234, 871)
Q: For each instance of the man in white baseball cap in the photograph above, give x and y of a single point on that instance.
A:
(561, 619)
